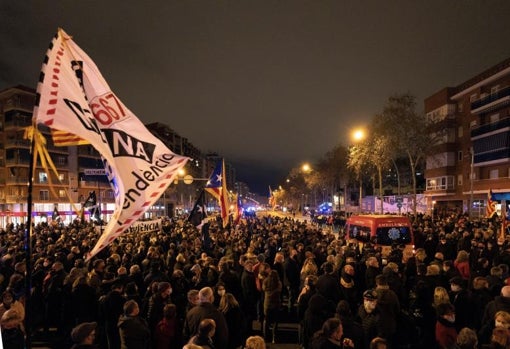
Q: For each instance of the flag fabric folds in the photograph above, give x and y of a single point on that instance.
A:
(272, 201)
(491, 206)
(238, 209)
(199, 211)
(217, 187)
(93, 207)
(76, 103)
(55, 215)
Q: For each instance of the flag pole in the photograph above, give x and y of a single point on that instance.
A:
(28, 243)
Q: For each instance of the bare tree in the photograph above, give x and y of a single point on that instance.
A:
(406, 132)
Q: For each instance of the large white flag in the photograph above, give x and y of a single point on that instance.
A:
(75, 100)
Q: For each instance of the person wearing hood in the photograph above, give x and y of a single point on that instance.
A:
(348, 288)
(133, 329)
(446, 334)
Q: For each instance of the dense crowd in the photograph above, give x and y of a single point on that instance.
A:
(206, 288)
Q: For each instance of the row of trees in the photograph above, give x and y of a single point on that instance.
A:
(396, 140)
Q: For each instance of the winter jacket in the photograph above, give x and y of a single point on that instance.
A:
(134, 332)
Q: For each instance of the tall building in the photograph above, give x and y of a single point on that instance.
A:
(473, 154)
(72, 183)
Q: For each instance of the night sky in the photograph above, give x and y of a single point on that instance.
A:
(267, 84)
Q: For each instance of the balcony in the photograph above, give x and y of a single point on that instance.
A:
(17, 143)
(17, 180)
(492, 101)
(17, 162)
(487, 128)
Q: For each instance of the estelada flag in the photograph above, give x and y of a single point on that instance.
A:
(238, 209)
(217, 187)
(199, 211)
(75, 100)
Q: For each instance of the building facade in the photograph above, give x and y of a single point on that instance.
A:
(472, 152)
(77, 168)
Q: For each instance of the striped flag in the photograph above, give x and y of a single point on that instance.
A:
(491, 206)
(238, 209)
(217, 187)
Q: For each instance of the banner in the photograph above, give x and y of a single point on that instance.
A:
(75, 100)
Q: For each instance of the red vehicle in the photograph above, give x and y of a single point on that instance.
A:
(380, 230)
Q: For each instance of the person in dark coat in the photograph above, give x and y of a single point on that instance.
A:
(501, 302)
(389, 308)
(348, 288)
(12, 334)
(351, 328)
(250, 294)
(319, 310)
(328, 283)
(307, 292)
(462, 300)
(424, 315)
(229, 279)
(83, 301)
(206, 310)
(205, 332)
(292, 278)
(369, 317)
(133, 330)
(157, 303)
(371, 272)
(235, 320)
(53, 291)
(330, 336)
(111, 307)
(481, 297)
(272, 288)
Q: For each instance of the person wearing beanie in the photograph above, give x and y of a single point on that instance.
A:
(84, 336)
(369, 316)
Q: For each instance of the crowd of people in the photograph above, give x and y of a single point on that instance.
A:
(206, 288)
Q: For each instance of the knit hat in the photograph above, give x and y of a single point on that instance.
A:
(163, 286)
(82, 331)
(370, 294)
(457, 280)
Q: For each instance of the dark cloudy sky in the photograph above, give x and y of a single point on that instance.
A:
(267, 84)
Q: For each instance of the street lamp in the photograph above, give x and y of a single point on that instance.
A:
(306, 168)
(358, 135)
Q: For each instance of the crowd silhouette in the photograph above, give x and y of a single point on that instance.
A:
(216, 288)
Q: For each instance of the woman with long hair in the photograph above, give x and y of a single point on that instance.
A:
(272, 288)
(440, 296)
(235, 320)
(461, 263)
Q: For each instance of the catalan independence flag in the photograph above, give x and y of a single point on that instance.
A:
(217, 187)
(491, 206)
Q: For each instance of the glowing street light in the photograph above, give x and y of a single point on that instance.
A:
(357, 136)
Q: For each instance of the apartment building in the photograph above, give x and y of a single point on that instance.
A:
(472, 155)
